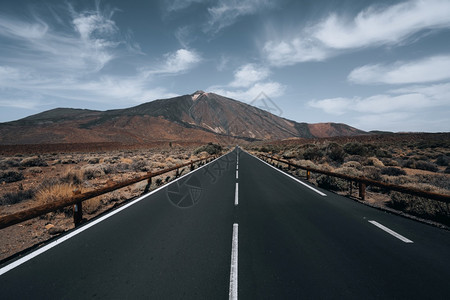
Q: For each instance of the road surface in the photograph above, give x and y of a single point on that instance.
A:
(238, 228)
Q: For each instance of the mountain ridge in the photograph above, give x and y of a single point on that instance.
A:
(200, 116)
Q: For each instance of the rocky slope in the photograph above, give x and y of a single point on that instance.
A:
(197, 117)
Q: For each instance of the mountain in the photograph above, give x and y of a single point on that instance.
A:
(200, 117)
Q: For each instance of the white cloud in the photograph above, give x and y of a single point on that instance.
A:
(383, 25)
(227, 12)
(86, 47)
(42, 63)
(177, 62)
(271, 89)
(20, 103)
(407, 104)
(294, 51)
(19, 29)
(334, 106)
(248, 74)
(176, 5)
(426, 70)
(375, 26)
(250, 80)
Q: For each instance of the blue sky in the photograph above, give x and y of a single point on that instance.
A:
(375, 65)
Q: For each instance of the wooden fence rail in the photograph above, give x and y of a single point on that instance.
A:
(363, 182)
(77, 199)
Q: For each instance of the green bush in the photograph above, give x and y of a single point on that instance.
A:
(443, 160)
(312, 153)
(11, 176)
(34, 161)
(139, 166)
(210, 148)
(335, 152)
(427, 166)
(331, 183)
(421, 207)
(355, 149)
(392, 171)
(16, 197)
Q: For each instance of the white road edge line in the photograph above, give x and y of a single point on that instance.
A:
(233, 295)
(292, 177)
(56, 242)
(391, 232)
(236, 195)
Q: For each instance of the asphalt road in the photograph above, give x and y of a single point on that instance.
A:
(275, 238)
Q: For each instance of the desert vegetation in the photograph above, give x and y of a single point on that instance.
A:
(30, 180)
(421, 161)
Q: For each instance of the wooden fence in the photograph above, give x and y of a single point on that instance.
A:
(363, 181)
(78, 198)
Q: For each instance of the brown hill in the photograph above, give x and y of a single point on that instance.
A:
(200, 117)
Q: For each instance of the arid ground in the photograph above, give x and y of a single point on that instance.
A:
(34, 175)
(32, 179)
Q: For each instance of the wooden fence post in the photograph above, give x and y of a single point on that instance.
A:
(362, 190)
(192, 166)
(77, 209)
(147, 187)
(350, 188)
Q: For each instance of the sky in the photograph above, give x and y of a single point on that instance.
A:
(374, 65)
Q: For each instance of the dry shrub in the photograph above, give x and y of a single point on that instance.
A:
(9, 163)
(91, 172)
(91, 206)
(16, 197)
(171, 161)
(73, 176)
(352, 164)
(392, 171)
(372, 172)
(349, 171)
(11, 176)
(421, 207)
(332, 183)
(35, 170)
(306, 163)
(421, 165)
(443, 160)
(93, 160)
(388, 162)
(139, 166)
(127, 161)
(355, 149)
(52, 191)
(34, 161)
(425, 165)
(373, 161)
(335, 152)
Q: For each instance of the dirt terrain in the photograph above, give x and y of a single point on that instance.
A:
(32, 179)
(418, 160)
(31, 175)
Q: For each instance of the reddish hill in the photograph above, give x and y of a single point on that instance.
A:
(199, 117)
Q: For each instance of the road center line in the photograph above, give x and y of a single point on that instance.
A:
(391, 232)
(237, 174)
(236, 194)
(233, 294)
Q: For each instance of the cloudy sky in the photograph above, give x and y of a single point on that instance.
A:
(375, 65)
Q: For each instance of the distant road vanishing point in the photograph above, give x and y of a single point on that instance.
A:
(237, 228)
